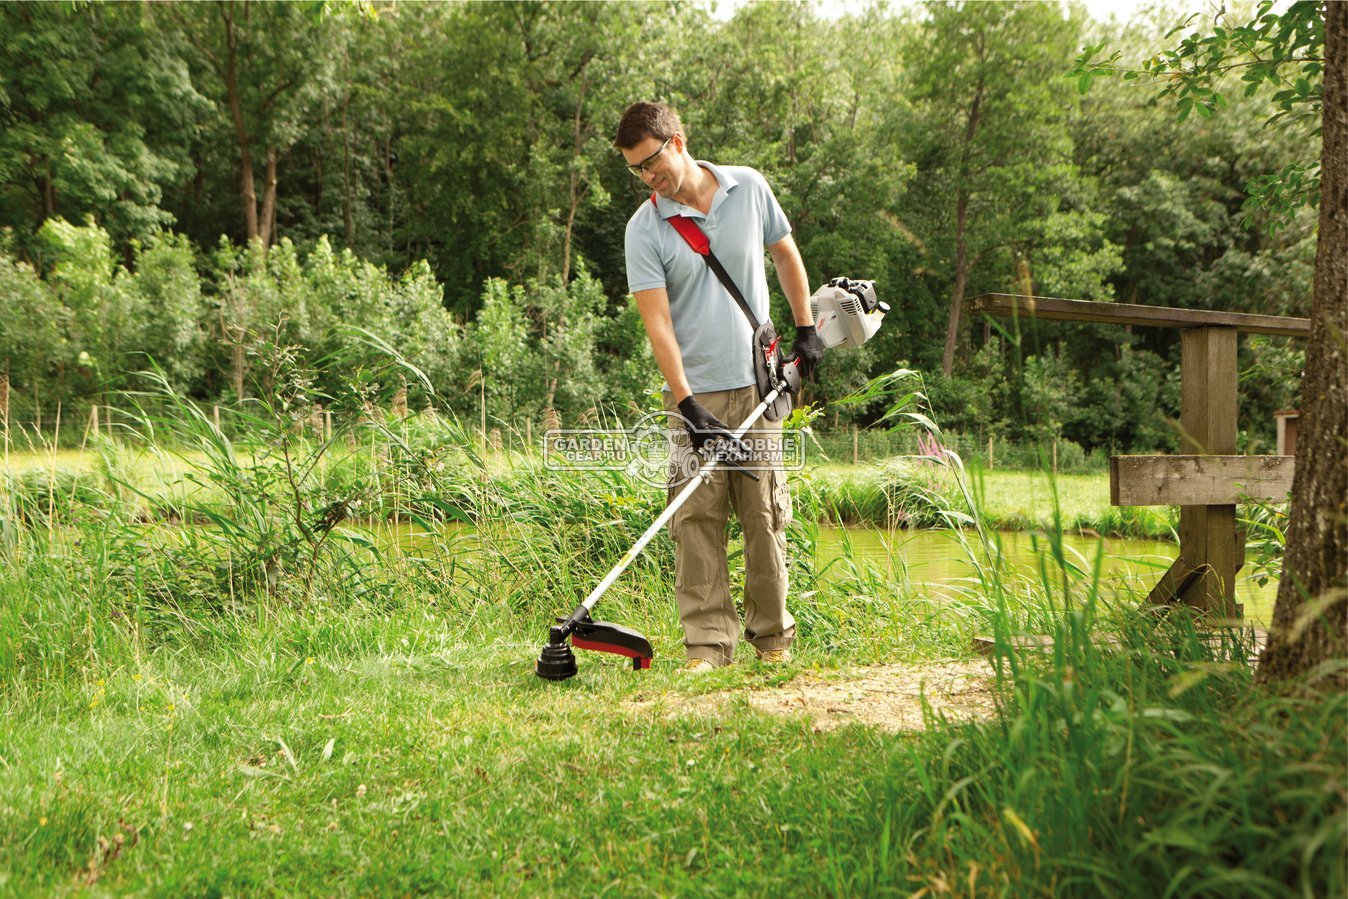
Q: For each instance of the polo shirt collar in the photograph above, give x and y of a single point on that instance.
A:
(724, 180)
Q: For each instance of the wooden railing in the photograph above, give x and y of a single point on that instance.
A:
(1208, 478)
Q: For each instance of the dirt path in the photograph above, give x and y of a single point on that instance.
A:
(888, 696)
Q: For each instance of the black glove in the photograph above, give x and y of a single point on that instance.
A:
(807, 352)
(709, 434)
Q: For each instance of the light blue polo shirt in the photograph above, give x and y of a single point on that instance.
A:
(714, 335)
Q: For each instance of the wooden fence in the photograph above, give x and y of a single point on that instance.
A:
(1207, 479)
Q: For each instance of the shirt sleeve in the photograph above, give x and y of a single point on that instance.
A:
(775, 224)
(644, 268)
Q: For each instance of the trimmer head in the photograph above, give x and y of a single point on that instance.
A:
(558, 662)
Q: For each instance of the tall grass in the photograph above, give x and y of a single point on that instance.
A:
(360, 717)
(1132, 755)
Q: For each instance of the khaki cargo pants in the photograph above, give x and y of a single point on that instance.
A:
(698, 528)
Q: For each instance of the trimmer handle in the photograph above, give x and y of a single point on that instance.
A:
(791, 376)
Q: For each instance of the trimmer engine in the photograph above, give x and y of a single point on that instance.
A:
(846, 313)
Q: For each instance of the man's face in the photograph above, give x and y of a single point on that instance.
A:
(660, 163)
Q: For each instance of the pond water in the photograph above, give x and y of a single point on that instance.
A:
(936, 559)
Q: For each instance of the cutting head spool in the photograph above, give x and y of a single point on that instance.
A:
(556, 661)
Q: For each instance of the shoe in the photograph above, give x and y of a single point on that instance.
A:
(697, 666)
(773, 656)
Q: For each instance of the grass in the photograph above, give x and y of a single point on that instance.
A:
(348, 748)
(912, 492)
(281, 705)
(877, 494)
(417, 770)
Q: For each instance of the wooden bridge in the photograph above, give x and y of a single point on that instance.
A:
(1207, 479)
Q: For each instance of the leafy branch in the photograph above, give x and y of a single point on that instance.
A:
(1281, 50)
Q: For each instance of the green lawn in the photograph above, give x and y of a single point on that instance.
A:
(1008, 500)
(442, 770)
(411, 750)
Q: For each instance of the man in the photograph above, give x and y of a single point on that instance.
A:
(702, 343)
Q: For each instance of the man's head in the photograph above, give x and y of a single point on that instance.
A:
(643, 120)
(651, 139)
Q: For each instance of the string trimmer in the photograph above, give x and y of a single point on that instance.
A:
(846, 313)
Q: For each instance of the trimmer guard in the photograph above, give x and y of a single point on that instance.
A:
(601, 636)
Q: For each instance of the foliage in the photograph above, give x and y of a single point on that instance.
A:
(1132, 752)
(31, 330)
(84, 116)
(1277, 49)
(430, 154)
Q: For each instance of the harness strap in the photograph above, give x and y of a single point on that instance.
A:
(700, 243)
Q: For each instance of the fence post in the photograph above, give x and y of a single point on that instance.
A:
(215, 414)
(1208, 401)
(856, 436)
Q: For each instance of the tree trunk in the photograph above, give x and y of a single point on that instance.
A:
(574, 188)
(961, 230)
(247, 189)
(348, 186)
(240, 363)
(268, 232)
(952, 328)
(1310, 619)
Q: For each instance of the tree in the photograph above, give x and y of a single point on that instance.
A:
(101, 317)
(991, 143)
(31, 331)
(172, 311)
(86, 127)
(1310, 620)
(264, 65)
(508, 110)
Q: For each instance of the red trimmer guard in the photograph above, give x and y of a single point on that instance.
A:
(600, 636)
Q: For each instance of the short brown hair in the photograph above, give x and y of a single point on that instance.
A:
(643, 120)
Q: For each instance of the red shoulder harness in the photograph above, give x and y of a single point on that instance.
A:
(688, 228)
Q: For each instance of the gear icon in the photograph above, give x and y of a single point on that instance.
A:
(649, 449)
